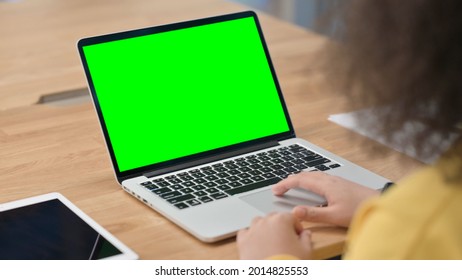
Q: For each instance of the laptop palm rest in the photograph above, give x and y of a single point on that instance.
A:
(267, 202)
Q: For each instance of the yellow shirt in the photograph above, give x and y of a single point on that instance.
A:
(419, 218)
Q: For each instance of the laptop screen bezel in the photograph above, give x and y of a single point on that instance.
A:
(165, 28)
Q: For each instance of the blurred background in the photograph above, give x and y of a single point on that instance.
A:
(304, 13)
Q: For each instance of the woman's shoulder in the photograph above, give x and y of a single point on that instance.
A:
(410, 219)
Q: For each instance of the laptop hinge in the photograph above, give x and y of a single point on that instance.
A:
(211, 159)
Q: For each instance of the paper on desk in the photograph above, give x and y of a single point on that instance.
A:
(348, 120)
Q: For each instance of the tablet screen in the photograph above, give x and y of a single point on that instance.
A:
(50, 230)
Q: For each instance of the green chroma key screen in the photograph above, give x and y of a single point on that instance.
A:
(177, 93)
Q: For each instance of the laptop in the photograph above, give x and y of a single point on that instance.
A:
(196, 124)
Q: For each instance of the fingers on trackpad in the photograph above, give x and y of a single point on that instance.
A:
(267, 202)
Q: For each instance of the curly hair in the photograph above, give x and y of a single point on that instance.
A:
(403, 59)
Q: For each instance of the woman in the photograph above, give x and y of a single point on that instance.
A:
(403, 59)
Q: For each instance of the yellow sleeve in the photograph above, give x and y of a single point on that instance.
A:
(419, 218)
(283, 257)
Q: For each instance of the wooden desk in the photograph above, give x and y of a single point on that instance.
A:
(38, 54)
(45, 148)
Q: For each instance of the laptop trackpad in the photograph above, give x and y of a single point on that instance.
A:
(267, 202)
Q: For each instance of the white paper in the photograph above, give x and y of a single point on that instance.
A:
(348, 120)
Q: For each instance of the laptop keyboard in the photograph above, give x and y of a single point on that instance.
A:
(220, 180)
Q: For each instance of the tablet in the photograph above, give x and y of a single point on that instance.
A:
(50, 227)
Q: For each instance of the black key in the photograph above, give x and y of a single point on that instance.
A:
(242, 163)
(235, 184)
(317, 162)
(170, 194)
(285, 152)
(311, 158)
(163, 184)
(161, 190)
(290, 170)
(228, 162)
(275, 155)
(224, 187)
(334, 165)
(180, 198)
(146, 183)
(255, 172)
(308, 153)
(233, 178)
(253, 186)
(322, 167)
(244, 175)
(280, 172)
(232, 166)
(277, 160)
(158, 180)
(198, 175)
(175, 181)
(210, 184)
(205, 199)
(266, 170)
(219, 195)
(200, 181)
(221, 169)
(268, 175)
(182, 174)
(199, 187)
(217, 165)
(300, 166)
(170, 177)
(251, 157)
(234, 171)
(256, 166)
(209, 172)
(277, 167)
(188, 184)
(206, 168)
(200, 193)
(253, 161)
(245, 169)
(246, 181)
(221, 181)
(266, 163)
(223, 175)
(264, 158)
(287, 164)
(194, 171)
(299, 155)
(187, 190)
(181, 205)
(212, 190)
(193, 202)
(288, 158)
(176, 187)
(151, 187)
(212, 178)
(258, 178)
(187, 178)
(296, 147)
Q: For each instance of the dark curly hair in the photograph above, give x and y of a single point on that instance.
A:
(403, 59)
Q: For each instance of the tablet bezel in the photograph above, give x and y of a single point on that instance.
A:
(126, 253)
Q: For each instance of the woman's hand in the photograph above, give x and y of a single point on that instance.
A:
(275, 234)
(343, 197)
